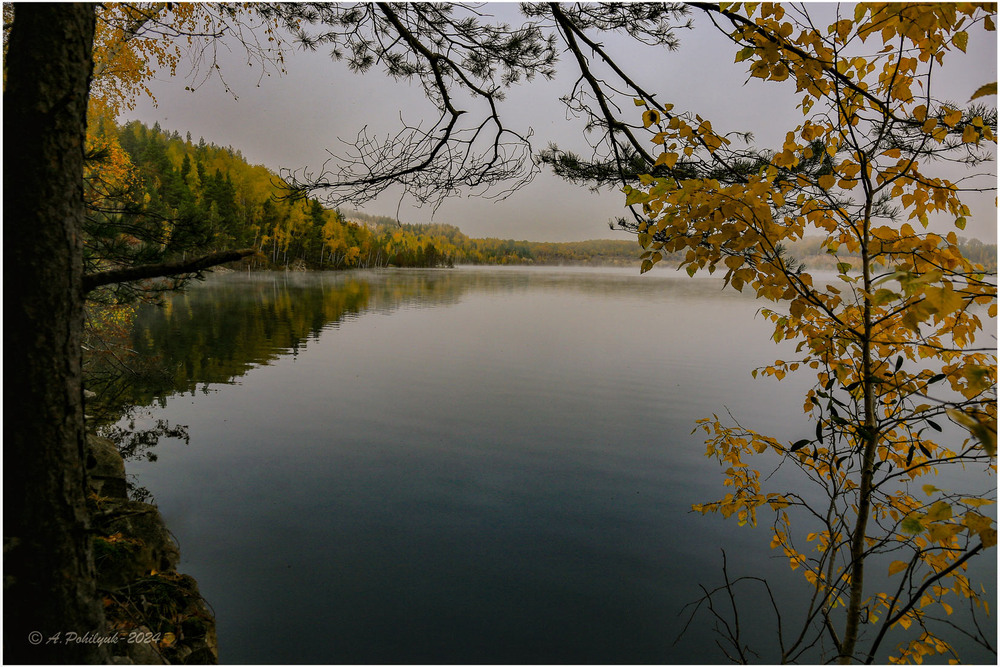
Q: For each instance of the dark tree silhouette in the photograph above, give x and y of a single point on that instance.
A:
(49, 583)
(49, 580)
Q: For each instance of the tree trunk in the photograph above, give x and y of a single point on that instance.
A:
(49, 583)
(857, 569)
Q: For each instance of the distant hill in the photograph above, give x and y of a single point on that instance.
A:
(462, 249)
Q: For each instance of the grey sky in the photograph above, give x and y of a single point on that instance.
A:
(290, 121)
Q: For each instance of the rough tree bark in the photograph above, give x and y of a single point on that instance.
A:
(49, 584)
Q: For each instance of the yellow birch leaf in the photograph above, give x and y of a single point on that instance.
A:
(896, 566)
(943, 299)
(940, 532)
(989, 537)
(984, 90)
(667, 159)
(939, 511)
(951, 117)
(883, 296)
(961, 40)
(977, 522)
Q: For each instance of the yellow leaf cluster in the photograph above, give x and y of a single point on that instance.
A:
(896, 332)
(135, 41)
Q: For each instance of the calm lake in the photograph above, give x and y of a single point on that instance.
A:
(478, 465)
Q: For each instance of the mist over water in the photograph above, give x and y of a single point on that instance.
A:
(463, 466)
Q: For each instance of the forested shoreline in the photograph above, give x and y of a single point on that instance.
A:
(180, 194)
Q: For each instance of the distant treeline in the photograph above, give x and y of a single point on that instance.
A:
(212, 194)
(458, 248)
(809, 252)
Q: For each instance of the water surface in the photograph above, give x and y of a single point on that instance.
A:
(461, 466)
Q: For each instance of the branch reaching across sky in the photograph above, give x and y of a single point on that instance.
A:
(463, 64)
(135, 41)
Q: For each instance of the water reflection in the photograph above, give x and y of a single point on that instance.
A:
(468, 466)
(443, 466)
(217, 331)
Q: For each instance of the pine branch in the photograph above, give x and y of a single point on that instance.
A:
(128, 274)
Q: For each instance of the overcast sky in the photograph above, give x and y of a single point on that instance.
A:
(290, 121)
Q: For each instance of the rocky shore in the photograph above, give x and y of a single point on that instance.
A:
(155, 615)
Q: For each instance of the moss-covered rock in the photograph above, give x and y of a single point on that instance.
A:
(105, 469)
(158, 613)
(138, 544)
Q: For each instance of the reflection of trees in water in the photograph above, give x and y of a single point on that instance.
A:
(136, 442)
(216, 332)
(219, 330)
